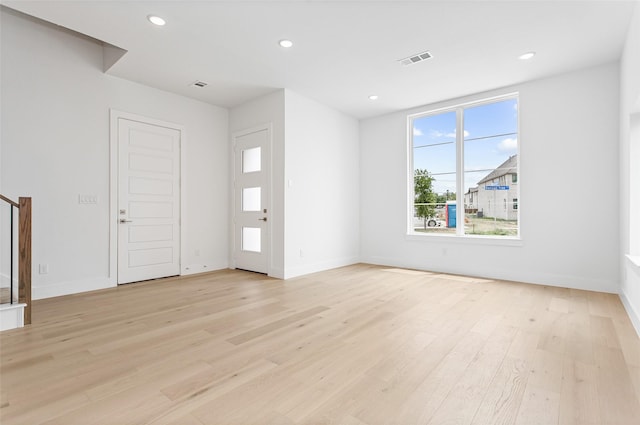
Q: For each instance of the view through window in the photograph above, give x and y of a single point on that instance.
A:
(474, 170)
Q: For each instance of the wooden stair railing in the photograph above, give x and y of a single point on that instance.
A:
(24, 253)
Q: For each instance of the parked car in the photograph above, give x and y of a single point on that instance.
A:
(418, 222)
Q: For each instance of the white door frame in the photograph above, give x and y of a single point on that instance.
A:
(115, 115)
(234, 242)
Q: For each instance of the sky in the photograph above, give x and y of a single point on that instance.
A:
(434, 141)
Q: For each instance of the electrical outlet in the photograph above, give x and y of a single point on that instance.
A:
(197, 253)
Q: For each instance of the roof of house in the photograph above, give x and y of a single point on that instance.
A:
(472, 189)
(510, 166)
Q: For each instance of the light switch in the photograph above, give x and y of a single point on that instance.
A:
(87, 199)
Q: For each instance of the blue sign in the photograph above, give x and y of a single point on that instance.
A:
(496, 188)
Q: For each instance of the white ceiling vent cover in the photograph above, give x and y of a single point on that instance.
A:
(200, 84)
(416, 58)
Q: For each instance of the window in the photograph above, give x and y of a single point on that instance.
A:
(468, 153)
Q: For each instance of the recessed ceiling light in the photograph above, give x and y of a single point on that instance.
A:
(285, 43)
(156, 20)
(373, 97)
(526, 56)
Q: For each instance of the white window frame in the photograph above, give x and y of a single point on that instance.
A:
(459, 235)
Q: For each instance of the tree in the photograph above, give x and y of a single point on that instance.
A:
(423, 194)
(446, 196)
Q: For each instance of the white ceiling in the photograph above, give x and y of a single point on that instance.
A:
(345, 51)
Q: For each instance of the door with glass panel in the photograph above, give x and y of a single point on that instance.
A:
(251, 193)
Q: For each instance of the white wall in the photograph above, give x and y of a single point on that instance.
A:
(266, 110)
(55, 146)
(630, 170)
(315, 182)
(55, 105)
(322, 187)
(568, 152)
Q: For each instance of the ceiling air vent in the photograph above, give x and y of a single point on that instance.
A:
(200, 84)
(415, 58)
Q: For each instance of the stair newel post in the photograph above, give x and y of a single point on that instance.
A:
(24, 259)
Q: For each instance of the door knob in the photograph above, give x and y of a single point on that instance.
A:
(263, 219)
(124, 220)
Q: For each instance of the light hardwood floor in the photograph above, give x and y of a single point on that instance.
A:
(359, 345)
(5, 295)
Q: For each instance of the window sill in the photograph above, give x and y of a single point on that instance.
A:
(466, 240)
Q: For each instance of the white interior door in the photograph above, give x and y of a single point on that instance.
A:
(148, 201)
(251, 193)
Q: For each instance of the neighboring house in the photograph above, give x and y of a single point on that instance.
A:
(471, 200)
(497, 193)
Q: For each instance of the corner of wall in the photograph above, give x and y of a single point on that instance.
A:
(629, 285)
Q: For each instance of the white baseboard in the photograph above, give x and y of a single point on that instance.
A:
(11, 316)
(630, 289)
(634, 315)
(277, 273)
(203, 268)
(85, 285)
(534, 277)
(72, 287)
(291, 272)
